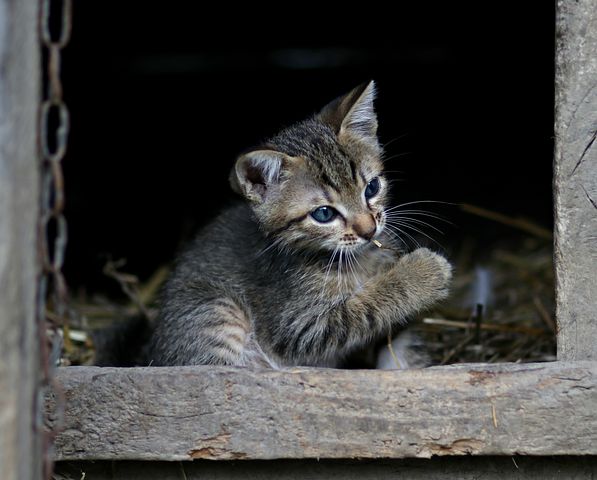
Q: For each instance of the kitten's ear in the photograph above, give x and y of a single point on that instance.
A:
(257, 172)
(354, 112)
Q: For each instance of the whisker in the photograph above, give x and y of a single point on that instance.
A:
(393, 216)
(406, 225)
(420, 201)
(357, 267)
(407, 245)
(396, 236)
(269, 247)
(346, 275)
(340, 269)
(348, 268)
(394, 180)
(357, 261)
(422, 213)
(417, 221)
(397, 229)
(397, 155)
(396, 138)
(350, 265)
(330, 263)
(328, 269)
(397, 223)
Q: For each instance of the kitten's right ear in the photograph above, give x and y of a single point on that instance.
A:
(256, 173)
(353, 112)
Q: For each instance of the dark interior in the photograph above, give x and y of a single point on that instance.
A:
(164, 97)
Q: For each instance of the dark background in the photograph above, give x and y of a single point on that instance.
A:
(164, 97)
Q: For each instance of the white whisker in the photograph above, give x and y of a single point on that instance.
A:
(399, 137)
(357, 261)
(422, 213)
(274, 243)
(358, 269)
(416, 221)
(418, 230)
(397, 229)
(350, 258)
(395, 235)
(340, 269)
(419, 201)
(328, 268)
(395, 156)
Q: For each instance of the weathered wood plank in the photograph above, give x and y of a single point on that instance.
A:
(440, 468)
(232, 413)
(19, 100)
(576, 179)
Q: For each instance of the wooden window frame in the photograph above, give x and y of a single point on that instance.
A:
(233, 413)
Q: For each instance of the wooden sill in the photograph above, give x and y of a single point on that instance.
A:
(220, 413)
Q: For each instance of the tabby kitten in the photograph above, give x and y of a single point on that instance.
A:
(294, 275)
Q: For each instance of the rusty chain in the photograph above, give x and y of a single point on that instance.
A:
(54, 130)
(55, 31)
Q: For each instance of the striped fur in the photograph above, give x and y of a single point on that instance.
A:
(265, 284)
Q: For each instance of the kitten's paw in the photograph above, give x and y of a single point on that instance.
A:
(429, 272)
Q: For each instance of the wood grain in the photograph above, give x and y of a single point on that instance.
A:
(19, 363)
(575, 185)
(233, 413)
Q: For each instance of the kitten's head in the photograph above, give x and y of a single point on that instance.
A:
(318, 184)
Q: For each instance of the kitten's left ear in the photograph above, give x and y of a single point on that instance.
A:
(256, 173)
(354, 112)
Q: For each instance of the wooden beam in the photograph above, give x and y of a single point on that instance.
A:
(216, 413)
(576, 179)
(20, 451)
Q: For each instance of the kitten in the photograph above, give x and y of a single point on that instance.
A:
(294, 275)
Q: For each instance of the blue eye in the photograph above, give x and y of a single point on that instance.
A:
(324, 214)
(372, 188)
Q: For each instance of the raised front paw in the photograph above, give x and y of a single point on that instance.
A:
(427, 273)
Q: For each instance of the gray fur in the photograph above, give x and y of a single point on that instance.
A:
(266, 285)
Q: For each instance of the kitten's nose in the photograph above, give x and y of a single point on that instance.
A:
(364, 226)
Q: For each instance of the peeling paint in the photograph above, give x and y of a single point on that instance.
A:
(214, 453)
(479, 377)
(216, 448)
(463, 446)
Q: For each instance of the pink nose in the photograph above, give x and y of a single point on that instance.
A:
(364, 226)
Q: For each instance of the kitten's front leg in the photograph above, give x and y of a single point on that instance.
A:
(415, 282)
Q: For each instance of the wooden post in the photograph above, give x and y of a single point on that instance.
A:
(20, 452)
(575, 185)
